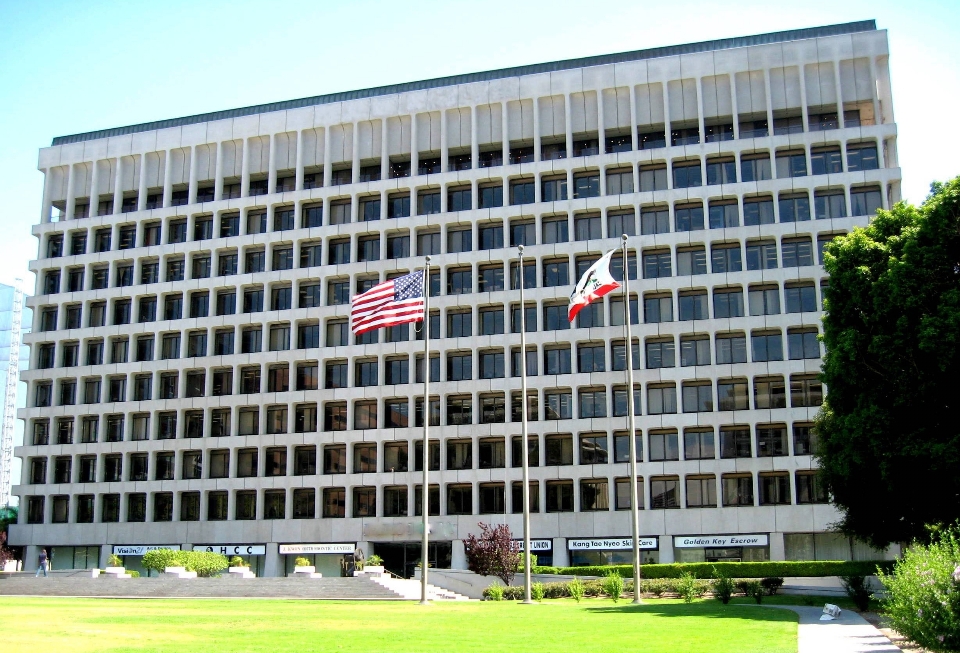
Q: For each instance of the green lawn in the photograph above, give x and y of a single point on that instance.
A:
(37, 625)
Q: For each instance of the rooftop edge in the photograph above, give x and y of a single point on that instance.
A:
(467, 78)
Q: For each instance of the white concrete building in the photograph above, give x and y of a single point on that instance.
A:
(193, 381)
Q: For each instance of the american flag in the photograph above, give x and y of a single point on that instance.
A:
(393, 302)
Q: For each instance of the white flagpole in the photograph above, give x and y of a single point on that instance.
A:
(425, 493)
(524, 448)
(632, 438)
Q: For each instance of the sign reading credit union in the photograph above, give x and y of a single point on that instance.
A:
(608, 543)
(140, 549)
(336, 547)
(537, 545)
(233, 549)
(720, 541)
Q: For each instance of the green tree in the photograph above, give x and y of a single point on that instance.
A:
(889, 439)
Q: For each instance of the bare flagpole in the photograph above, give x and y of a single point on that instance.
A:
(525, 453)
(425, 493)
(632, 438)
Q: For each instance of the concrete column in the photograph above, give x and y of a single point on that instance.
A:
(414, 150)
(94, 185)
(568, 119)
(118, 187)
(105, 551)
(734, 107)
(601, 139)
(700, 117)
(142, 183)
(203, 505)
(769, 98)
(803, 105)
(537, 146)
(298, 182)
(836, 81)
(384, 157)
(632, 122)
(505, 130)
(245, 169)
(176, 499)
(355, 156)
(218, 174)
(31, 552)
(272, 166)
(46, 207)
(71, 183)
(458, 557)
(777, 549)
(327, 165)
(474, 145)
(666, 549)
(272, 561)
(192, 187)
(874, 81)
(444, 148)
(167, 199)
(666, 118)
(561, 557)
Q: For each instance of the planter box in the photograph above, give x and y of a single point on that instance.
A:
(116, 572)
(240, 572)
(370, 570)
(306, 572)
(179, 572)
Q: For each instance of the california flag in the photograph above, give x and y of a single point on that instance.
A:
(594, 284)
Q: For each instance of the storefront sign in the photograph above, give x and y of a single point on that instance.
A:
(233, 549)
(719, 541)
(537, 545)
(609, 543)
(408, 530)
(140, 549)
(337, 548)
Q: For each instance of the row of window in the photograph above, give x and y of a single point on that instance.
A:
(696, 396)
(591, 448)
(793, 207)
(666, 492)
(861, 156)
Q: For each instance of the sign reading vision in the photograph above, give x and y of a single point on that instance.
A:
(719, 541)
(140, 549)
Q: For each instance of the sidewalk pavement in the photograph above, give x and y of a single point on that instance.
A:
(849, 633)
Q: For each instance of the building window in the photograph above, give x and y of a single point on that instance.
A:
(701, 491)
(664, 445)
(769, 392)
(806, 391)
(774, 489)
(664, 493)
(737, 489)
(559, 496)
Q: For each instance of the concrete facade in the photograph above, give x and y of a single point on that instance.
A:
(792, 138)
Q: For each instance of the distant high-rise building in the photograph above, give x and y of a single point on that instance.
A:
(15, 320)
(194, 381)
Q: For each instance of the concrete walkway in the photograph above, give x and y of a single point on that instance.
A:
(849, 633)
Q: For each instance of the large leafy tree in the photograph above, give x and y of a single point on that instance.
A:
(889, 429)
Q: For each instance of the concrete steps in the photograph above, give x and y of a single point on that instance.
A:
(290, 588)
(409, 588)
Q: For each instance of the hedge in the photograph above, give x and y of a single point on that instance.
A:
(206, 564)
(732, 569)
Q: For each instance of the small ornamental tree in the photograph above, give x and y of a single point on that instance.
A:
(5, 553)
(494, 553)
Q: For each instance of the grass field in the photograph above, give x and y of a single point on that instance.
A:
(37, 625)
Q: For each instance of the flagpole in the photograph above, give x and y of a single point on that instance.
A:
(632, 438)
(524, 447)
(425, 494)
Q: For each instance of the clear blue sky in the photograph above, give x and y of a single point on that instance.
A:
(68, 67)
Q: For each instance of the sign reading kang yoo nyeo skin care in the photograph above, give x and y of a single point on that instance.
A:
(608, 543)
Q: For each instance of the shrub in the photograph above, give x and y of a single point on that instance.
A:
(809, 568)
(576, 589)
(494, 592)
(374, 560)
(114, 561)
(159, 559)
(923, 593)
(754, 588)
(537, 592)
(857, 590)
(206, 563)
(613, 586)
(687, 588)
(722, 589)
(771, 585)
(301, 562)
(134, 573)
(237, 561)
(656, 586)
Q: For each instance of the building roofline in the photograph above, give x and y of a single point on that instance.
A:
(468, 78)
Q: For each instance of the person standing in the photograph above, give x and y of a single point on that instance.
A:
(43, 563)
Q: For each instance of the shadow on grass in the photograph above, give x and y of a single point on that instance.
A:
(707, 609)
